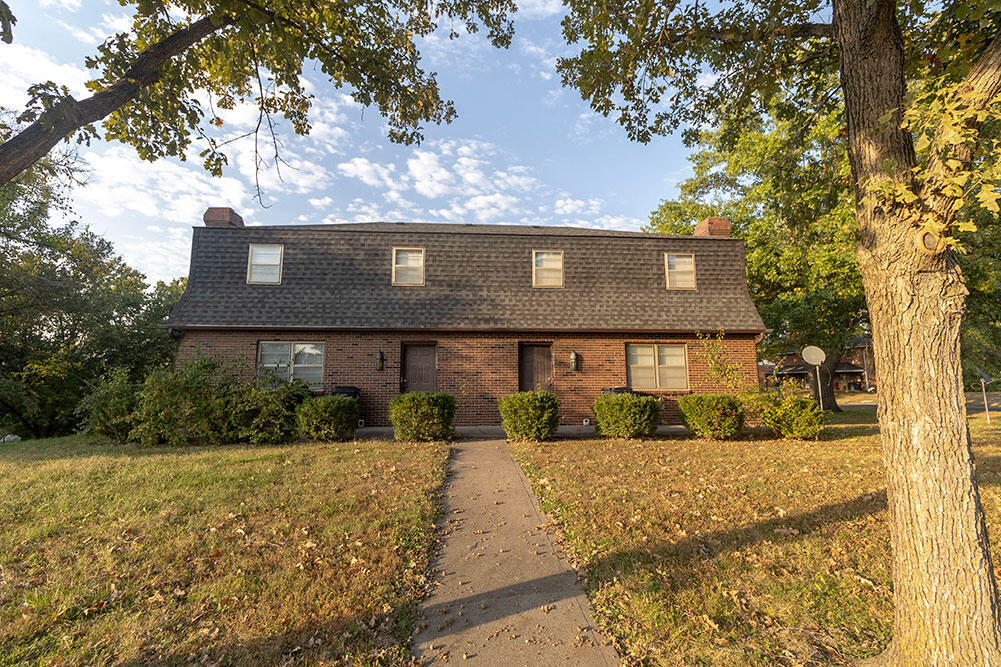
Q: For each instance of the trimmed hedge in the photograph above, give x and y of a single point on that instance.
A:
(529, 415)
(626, 415)
(791, 416)
(713, 416)
(328, 418)
(422, 416)
(109, 410)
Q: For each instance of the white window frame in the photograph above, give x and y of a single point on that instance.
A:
(251, 263)
(291, 358)
(668, 271)
(395, 265)
(656, 366)
(562, 270)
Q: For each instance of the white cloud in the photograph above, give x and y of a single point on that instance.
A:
(321, 202)
(577, 206)
(368, 172)
(539, 9)
(430, 178)
(68, 5)
(490, 207)
(22, 66)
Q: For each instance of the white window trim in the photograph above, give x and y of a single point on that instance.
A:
(393, 259)
(291, 357)
(562, 270)
(281, 262)
(656, 367)
(667, 271)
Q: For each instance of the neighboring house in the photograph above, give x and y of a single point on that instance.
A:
(478, 311)
(855, 371)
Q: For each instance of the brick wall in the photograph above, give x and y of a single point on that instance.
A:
(477, 368)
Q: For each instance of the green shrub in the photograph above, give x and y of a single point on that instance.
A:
(792, 416)
(626, 415)
(263, 416)
(422, 416)
(328, 418)
(109, 410)
(190, 404)
(714, 416)
(530, 415)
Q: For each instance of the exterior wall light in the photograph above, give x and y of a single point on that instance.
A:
(380, 361)
(573, 360)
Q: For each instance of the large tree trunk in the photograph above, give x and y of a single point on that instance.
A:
(946, 602)
(68, 115)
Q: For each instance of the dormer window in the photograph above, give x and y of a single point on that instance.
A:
(547, 268)
(408, 266)
(264, 264)
(680, 270)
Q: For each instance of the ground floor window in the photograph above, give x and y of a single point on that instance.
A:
(654, 366)
(291, 361)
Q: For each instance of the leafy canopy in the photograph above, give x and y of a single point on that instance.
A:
(256, 51)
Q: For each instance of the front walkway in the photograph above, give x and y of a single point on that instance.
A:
(502, 594)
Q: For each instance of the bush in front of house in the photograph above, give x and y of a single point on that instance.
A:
(422, 416)
(264, 415)
(529, 415)
(626, 415)
(108, 411)
(790, 415)
(328, 418)
(713, 416)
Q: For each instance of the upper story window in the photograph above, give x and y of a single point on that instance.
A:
(291, 361)
(547, 268)
(656, 366)
(680, 271)
(264, 264)
(408, 266)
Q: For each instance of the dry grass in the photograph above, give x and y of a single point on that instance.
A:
(312, 552)
(752, 552)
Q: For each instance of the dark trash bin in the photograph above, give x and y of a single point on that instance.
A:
(350, 392)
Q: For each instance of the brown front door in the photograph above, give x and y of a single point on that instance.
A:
(535, 368)
(417, 372)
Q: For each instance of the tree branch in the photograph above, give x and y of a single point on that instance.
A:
(795, 31)
(69, 115)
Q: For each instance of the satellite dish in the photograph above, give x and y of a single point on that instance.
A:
(813, 355)
(984, 376)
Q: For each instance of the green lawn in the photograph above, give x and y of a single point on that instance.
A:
(750, 552)
(112, 554)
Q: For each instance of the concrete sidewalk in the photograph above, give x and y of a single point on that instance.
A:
(502, 593)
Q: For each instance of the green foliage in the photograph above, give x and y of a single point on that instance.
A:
(723, 370)
(530, 415)
(422, 416)
(789, 414)
(70, 310)
(713, 416)
(108, 410)
(255, 53)
(626, 415)
(328, 418)
(193, 404)
(262, 415)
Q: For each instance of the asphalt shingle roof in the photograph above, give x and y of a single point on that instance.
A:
(477, 277)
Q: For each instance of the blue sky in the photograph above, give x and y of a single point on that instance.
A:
(523, 150)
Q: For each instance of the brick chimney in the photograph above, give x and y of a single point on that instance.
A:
(713, 227)
(222, 216)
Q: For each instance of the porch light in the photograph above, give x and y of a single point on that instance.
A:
(380, 361)
(573, 360)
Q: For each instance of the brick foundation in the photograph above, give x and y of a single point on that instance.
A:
(477, 368)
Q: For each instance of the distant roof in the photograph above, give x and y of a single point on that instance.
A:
(477, 277)
(802, 369)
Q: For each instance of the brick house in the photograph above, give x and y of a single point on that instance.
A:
(856, 370)
(478, 311)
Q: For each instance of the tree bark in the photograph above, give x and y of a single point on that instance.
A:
(67, 116)
(946, 602)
